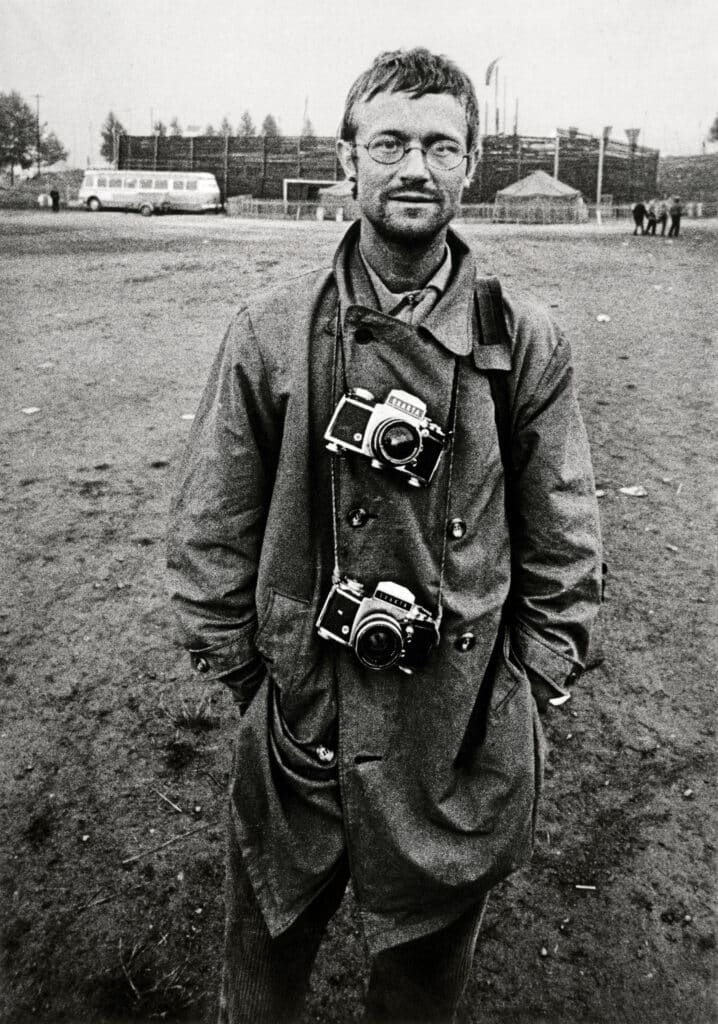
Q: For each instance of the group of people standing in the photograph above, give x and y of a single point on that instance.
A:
(647, 216)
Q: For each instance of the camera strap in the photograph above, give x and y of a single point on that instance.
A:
(334, 473)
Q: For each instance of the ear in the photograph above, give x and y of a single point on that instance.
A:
(345, 155)
(472, 162)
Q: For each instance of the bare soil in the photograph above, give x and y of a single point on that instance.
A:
(113, 760)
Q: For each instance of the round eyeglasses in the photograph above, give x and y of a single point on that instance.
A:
(442, 154)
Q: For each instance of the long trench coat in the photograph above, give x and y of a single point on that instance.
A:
(435, 777)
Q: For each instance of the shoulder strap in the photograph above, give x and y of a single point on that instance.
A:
(493, 331)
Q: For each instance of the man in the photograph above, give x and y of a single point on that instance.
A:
(349, 555)
(652, 215)
(675, 210)
(663, 216)
(639, 214)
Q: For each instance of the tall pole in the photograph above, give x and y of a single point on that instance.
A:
(599, 183)
(37, 98)
(555, 156)
(496, 100)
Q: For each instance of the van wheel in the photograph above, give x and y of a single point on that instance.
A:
(94, 204)
(146, 210)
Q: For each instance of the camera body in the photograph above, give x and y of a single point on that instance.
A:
(385, 630)
(395, 433)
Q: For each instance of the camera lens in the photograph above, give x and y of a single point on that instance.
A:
(397, 442)
(378, 642)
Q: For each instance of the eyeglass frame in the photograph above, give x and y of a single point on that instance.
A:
(408, 149)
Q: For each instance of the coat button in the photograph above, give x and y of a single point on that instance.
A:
(457, 528)
(357, 517)
(201, 665)
(363, 334)
(465, 642)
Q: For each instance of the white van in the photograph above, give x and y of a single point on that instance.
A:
(150, 191)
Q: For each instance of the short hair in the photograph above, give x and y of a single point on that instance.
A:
(417, 72)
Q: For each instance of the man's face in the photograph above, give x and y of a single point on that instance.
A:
(409, 202)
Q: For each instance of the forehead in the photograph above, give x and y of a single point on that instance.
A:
(431, 114)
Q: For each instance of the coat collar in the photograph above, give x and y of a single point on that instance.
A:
(450, 323)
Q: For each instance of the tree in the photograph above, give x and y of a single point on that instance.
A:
(51, 149)
(308, 129)
(225, 127)
(175, 127)
(159, 128)
(210, 130)
(713, 131)
(270, 128)
(19, 135)
(110, 131)
(246, 129)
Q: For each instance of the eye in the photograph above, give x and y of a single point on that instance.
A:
(445, 148)
(385, 145)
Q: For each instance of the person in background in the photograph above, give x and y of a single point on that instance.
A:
(663, 215)
(55, 200)
(639, 215)
(675, 210)
(651, 214)
(385, 541)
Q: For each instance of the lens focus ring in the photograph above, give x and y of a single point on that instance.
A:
(396, 442)
(378, 643)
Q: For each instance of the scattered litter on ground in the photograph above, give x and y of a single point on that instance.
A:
(187, 416)
(679, 488)
(600, 494)
(29, 410)
(603, 318)
(671, 547)
(634, 492)
(45, 366)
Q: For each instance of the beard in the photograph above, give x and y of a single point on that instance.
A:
(412, 227)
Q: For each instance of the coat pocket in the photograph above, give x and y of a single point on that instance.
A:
(493, 785)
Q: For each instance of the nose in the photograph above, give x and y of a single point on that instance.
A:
(413, 166)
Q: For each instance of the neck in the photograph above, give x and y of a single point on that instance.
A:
(401, 269)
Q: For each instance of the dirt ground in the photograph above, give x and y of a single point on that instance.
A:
(113, 760)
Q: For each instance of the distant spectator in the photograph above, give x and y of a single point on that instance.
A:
(652, 217)
(663, 215)
(675, 210)
(639, 214)
(55, 199)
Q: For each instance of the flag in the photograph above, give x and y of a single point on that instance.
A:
(490, 70)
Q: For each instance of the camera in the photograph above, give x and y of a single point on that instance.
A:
(394, 433)
(385, 630)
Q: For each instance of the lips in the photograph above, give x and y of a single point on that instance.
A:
(413, 197)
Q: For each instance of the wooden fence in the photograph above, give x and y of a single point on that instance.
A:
(259, 166)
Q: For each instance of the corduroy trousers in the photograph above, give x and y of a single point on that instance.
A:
(265, 980)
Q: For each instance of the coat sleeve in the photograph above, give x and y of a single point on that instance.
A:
(556, 540)
(218, 514)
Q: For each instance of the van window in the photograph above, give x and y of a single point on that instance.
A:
(130, 183)
(178, 184)
(145, 182)
(160, 182)
(89, 181)
(191, 186)
(102, 182)
(115, 182)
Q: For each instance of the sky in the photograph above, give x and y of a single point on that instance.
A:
(648, 64)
